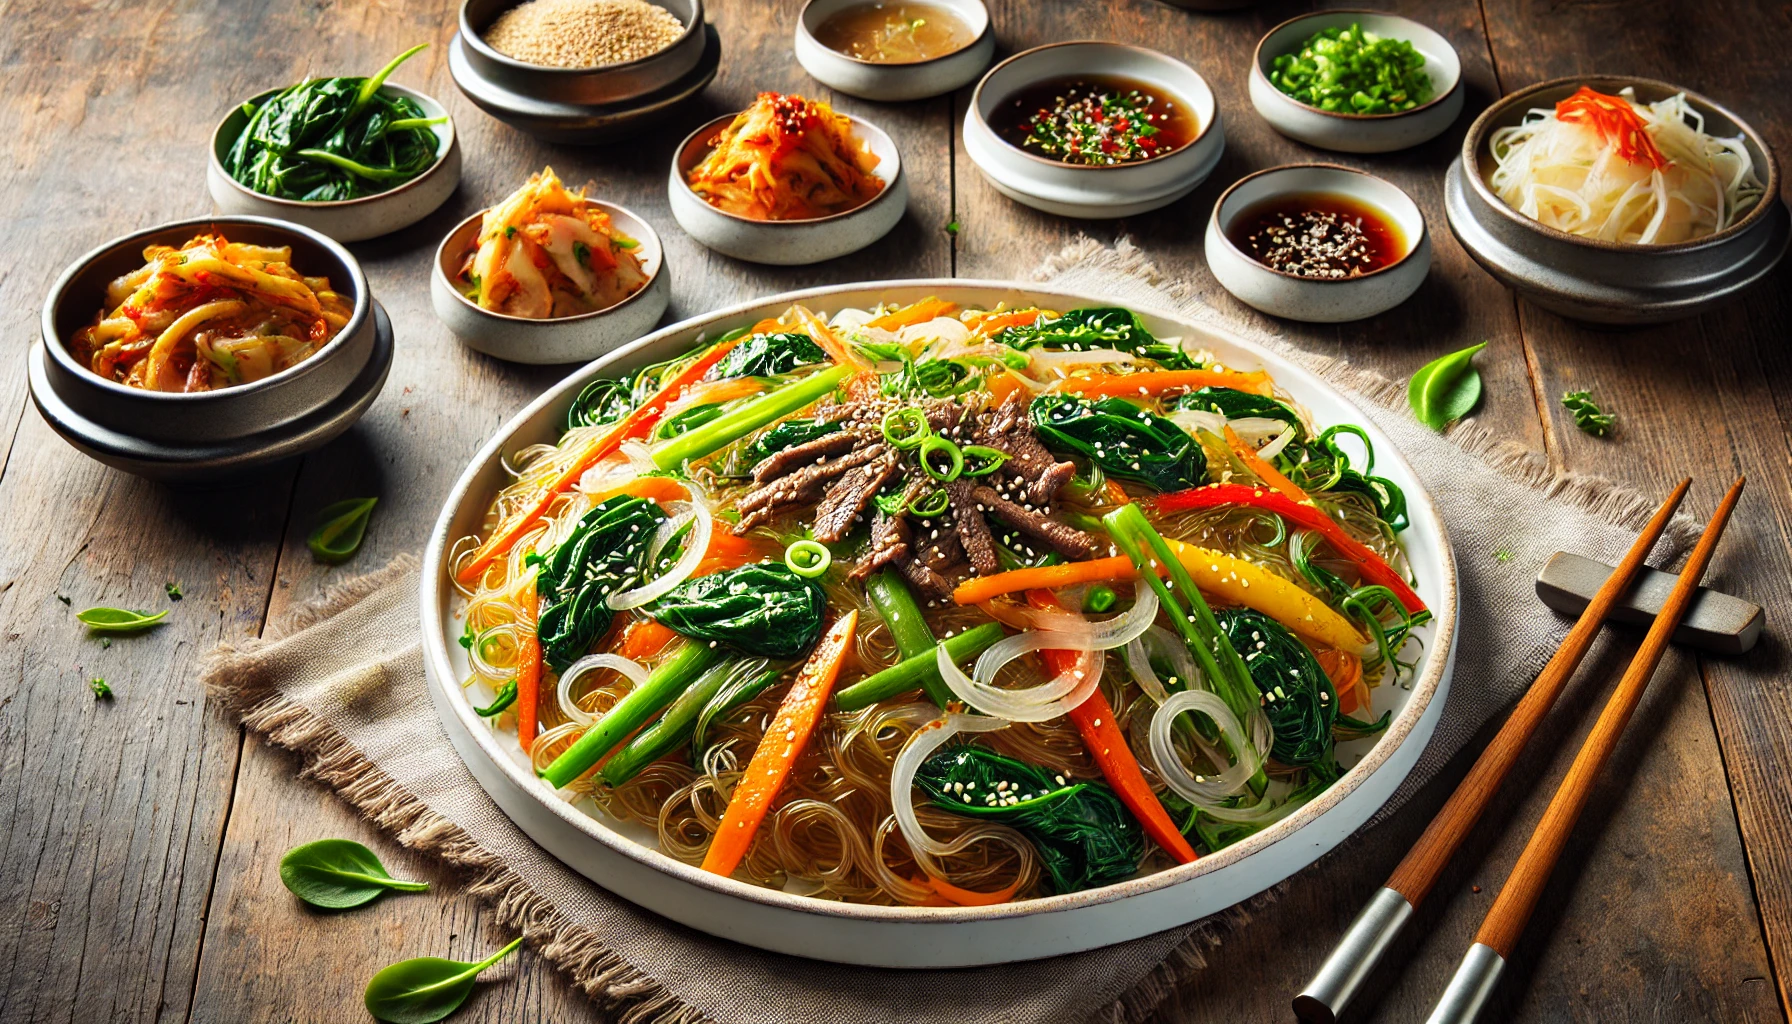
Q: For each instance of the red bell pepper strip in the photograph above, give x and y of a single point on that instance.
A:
(528, 687)
(636, 424)
(1367, 562)
(1094, 720)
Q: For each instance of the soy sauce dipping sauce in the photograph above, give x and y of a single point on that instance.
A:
(1318, 234)
(1094, 120)
(894, 33)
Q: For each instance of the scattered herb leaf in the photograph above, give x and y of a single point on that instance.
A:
(340, 529)
(425, 989)
(105, 642)
(173, 590)
(100, 688)
(65, 599)
(953, 227)
(1446, 388)
(119, 620)
(1587, 414)
(338, 873)
(1503, 555)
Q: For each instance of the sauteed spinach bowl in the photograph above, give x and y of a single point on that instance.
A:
(1004, 554)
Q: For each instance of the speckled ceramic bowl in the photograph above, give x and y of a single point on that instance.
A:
(892, 82)
(346, 220)
(608, 85)
(567, 339)
(788, 242)
(1318, 300)
(1612, 282)
(1358, 133)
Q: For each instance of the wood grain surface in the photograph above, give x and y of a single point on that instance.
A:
(139, 837)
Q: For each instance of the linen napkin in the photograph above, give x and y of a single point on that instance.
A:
(343, 684)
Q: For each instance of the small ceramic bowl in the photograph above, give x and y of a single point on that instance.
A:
(1612, 282)
(891, 82)
(214, 432)
(567, 339)
(608, 85)
(788, 242)
(1358, 133)
(1318, 300)
(345, 220)
(1082, 191)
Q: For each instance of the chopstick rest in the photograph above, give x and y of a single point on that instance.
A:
(1715, 621)
(1480, 970)
(1388, 910)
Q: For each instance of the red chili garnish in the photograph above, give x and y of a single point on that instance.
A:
(1617, 123)
(319, 328)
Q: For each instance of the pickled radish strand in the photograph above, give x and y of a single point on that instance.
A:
(528, 686)
(1265, 472)
(927, 309)
(636, 424)
(1094, 721)
(779, 748)
(1127, 384)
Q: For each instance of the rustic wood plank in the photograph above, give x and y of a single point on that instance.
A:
(441, 402)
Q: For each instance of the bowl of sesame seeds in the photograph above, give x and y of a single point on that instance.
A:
(1320, 243)
(582, 52)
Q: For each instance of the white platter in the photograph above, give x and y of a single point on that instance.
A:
(915, 937)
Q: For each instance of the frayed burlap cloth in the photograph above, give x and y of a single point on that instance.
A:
(343, 685)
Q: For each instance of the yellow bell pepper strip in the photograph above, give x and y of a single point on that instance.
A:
(1124, 385)
(779, 748)
(1265, 472)
(914, 313)
(1368, 563)
(636, 424)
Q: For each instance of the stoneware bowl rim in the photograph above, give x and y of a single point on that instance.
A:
(1413, 244)
(976, 104)
(445, 135)
(1476, 138)
(680, 172)
(1258, 59)
(802, 25)
(478, 43)
(433, 587)
(524, 322)
(60, 352)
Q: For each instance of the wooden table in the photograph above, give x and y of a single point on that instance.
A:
(139, 837)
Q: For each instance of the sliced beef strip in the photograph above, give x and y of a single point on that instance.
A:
(795, 457)
(932, 584)
(1068, 541)
(890, 535)
(973, 532)
(806, 481)
(848, 497)
(1008, 429)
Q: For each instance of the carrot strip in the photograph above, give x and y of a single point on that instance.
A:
(1116, 493)
(528, 687)
(644, 638)
(1256, 382)
(1094, 720)
(1265, 472)
(979, 589)
(653, 488)
(914, 313)
(766, 326)
(970, 897)
(778, 750)
(991, 324)
(635, 424)
(824, 336)
(1345, 670)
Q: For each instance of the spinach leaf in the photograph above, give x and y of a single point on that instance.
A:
(1236, 405)
(767, 355)
(1097, 327)
(602, 401)
(119, 620)
(1122, 439)
(338, 873)
(426, 989)
(1084, 835)
(1446, 388)
(602, 556)
(340, 529)
(1298, 698)
(787, 434)
(762, 609)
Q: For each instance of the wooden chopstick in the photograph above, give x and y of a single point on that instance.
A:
(1387, 912)
(1511, 910)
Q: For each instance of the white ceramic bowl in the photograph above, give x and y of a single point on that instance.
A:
(1313, 299)
(1358, 133)
(625, 860)
(891, 82)
(345, 220)
(567, 339)
(788, 242)
(1081, 191)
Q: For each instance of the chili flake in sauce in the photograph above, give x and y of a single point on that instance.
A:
(1094, 120)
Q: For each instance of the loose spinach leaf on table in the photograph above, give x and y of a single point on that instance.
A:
(1084, 835)
(119, 620)
(1124, 440)
(1236, 405)
(602, 555)
(426, 989)
(338, 873)
(767, 355)
(762, 609)
(1446, 388)
(1097, 327)
(340, 529)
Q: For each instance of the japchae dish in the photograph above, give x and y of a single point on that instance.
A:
(1611, 168)
(935, 606)
(787, 158)
(547, 251)
(211, 314)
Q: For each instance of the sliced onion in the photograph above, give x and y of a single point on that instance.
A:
(1048, 358)
(694, 549)
(606, 473)
(1073, 631)
(921, 745)
(849, 318)
(639, 457)
(1208, 789)
(1040, 703)
(1192, 420)
(948, 329)
(1171, 649)
(1274, 447)
(633, 671)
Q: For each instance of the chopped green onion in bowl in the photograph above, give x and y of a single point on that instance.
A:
(1353, 71)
